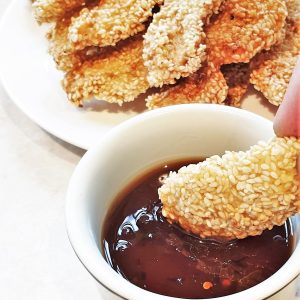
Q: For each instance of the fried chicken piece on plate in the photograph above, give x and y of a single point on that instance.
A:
(205, 86)
(175, 40)
(272, 70)
(46, 11)
(109, 22)
(237, 77)
(237, 195)
(117, 76)
(243, 28)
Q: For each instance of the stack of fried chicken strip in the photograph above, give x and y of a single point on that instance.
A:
(235, 35)
(183, 49)
(272, 70)
(237, 195)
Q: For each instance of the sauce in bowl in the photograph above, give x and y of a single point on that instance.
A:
(143, 247)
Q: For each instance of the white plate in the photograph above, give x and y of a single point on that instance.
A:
(28, 74)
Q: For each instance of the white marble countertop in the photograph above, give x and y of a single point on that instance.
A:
(36, 259)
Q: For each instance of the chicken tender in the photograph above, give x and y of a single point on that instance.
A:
(237, 195)
(272, 70)
(47, 11)
(175, 40)
(206, 86)
(109, 22)
(237, 77)
(117, 76)
(243, 28)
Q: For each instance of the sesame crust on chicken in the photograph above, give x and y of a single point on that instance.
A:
(237, 195)
(272, 70)
(110, 22)
(243, 28)
(206, 86)
(46, 11)
(174, 43)
(117, 76)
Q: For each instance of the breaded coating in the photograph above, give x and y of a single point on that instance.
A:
(272, 70)
(205, 86)
(117, 76)
(243, 28)
(110, 22)
(175, 40)
(273, 75)
(237, 77)
(59, 47)
(293, 7)
(46, 11)
(237, 195)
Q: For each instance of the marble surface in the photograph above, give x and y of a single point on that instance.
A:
(36, 259)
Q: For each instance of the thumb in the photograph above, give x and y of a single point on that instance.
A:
(287, 119)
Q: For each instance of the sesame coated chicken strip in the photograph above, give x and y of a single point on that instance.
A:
(117, 76)
(243, 28)
(237, 195)
(272, 70)
(175, 40)
(110, 22)
(47, 11)
(205, 86)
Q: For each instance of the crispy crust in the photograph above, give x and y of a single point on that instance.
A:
(237, 195)
(243, 28)
(293, 7)
(174, 42)
(237, 77)
(46, 11)
(59, 47)
(117, 76)
(109, 22)
(206, 86)
(272, 70)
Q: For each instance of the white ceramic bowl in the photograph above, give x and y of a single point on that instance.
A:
(166, 134)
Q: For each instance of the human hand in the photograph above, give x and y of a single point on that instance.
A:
(287, 119)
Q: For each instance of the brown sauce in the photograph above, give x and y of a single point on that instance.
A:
(144, 248)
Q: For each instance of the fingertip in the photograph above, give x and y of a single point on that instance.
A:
(298, 168)
(287, 118)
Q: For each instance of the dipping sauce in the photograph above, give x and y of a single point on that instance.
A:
(144, 248)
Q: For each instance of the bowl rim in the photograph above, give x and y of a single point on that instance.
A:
(109, 278)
